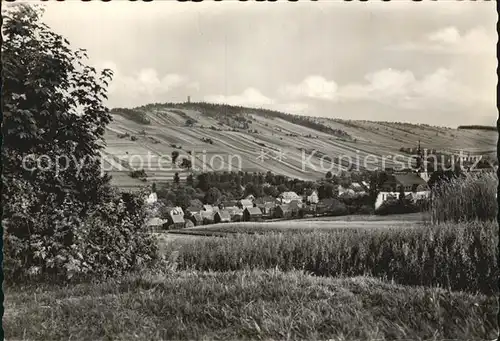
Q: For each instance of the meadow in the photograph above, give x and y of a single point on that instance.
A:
(245, 305)
(453, 256)
(80, 264)
(317, 278)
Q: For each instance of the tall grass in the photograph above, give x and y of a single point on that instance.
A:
(469, 197)
(245, 305)
(455, 256)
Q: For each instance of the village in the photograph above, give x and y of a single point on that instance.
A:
(412, 186)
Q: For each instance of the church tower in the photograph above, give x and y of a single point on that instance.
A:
(422, 164)
(419, 157)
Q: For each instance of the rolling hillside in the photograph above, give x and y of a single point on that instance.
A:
(217, 137)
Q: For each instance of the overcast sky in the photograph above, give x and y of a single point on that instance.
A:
(426, 62)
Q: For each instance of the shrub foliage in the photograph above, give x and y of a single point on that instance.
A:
(61, 216)
(468, 197)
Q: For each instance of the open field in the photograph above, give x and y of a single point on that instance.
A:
(306, 224)
(242, 305)
(289, 226)
(457, 256)
(274, 134)
(407, 217)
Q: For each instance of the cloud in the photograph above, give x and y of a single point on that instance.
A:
(440, 89)
(253, 98)
(448, 35)
(316, 87)
(450, 40)
(142, 87)
(250, 97)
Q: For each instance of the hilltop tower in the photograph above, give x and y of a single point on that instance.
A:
(189, 99)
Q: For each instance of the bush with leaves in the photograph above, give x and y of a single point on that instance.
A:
(63, 219)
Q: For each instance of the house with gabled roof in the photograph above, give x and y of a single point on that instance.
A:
(207, 216)
(267, 209)
(235, 213)
(252, 214)
(222, 216)
(156, 224)
(283, 211)
(250, 197)
(245, 203)
(294, 206)
(263, 200)
(195, 205)
(197, 219)
(176, 221)
(207, 208)
(313, 198)
(410, 184)
(228, 203)
(287, 197)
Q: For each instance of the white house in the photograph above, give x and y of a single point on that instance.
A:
(288, 197)
(151, 198)
(384, 196)
(413, 185)
(313, 198)
(345, 191)
(250, 197)
(177, 211)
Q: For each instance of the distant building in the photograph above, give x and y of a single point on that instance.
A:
(413, 186)
(264, 200)
(283, 211)
(345, 190)
(252, 214)
(207, 216)
(313, 198)
(176, 221)
(245, 203)
(177, 211)
(229, 203)
(294, 206)
(267, 209)
(250, 197)
(287, 197)
(197, 219)
(156, 224)
(151, 198)
(236, 213)
(409, 181)
(195, 205)
(222, 216)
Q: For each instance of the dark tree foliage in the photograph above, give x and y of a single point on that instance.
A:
(175, 155)
(477, 127)
(62, 218)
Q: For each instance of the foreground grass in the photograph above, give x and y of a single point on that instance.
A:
(456, 256)
(245, 305)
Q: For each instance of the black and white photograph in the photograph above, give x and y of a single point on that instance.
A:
(250, 170)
